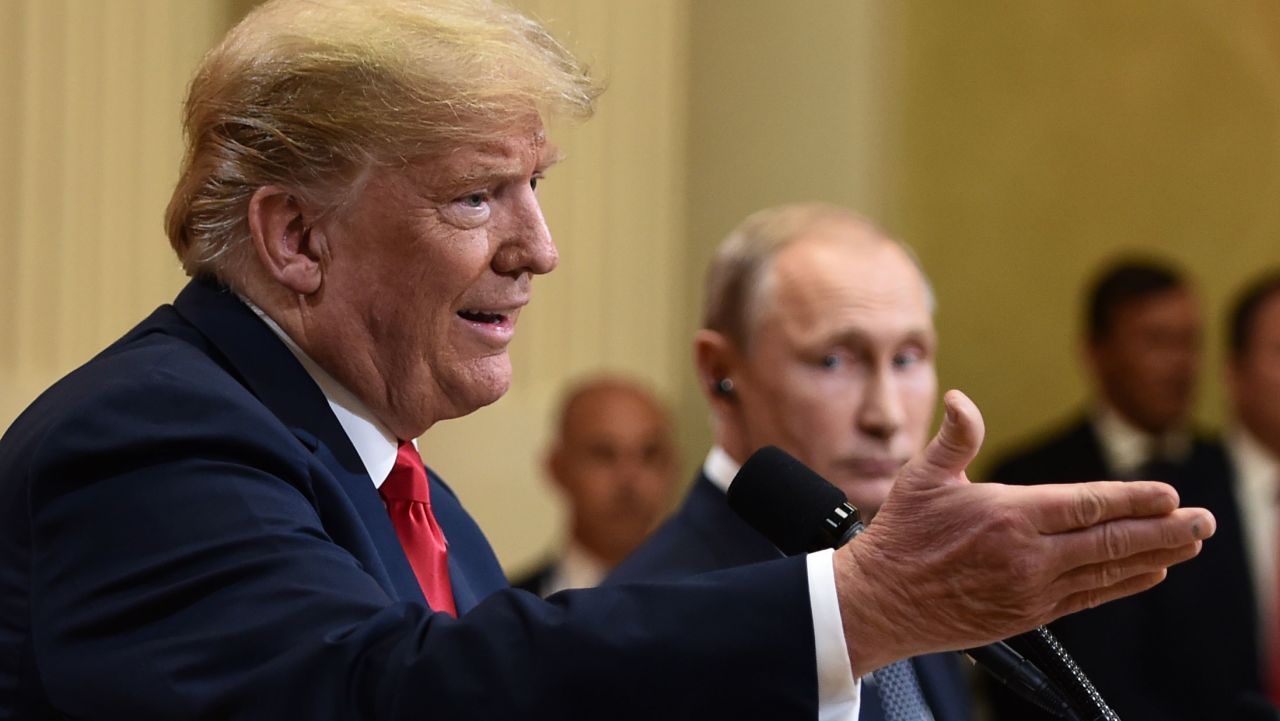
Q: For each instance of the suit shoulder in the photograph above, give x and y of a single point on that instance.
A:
(145, 399)
(532, 580)
(1047, 457)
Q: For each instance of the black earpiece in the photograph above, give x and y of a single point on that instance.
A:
(724, 387)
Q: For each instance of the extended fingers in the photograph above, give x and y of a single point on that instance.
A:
(1067, 507)
(1098, 576)
(1098, 596)
(1119, 539)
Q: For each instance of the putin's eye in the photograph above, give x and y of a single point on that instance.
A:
(832, 360)
(533, 182)
(907, 358)
(474, 200)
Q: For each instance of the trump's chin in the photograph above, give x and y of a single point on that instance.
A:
(480, 382)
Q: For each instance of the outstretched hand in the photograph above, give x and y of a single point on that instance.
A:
(950, 564)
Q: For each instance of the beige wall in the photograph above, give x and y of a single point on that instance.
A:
(1036, 139)
(89, 146)
(1014, 143)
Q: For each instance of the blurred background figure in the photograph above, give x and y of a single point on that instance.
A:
(818, 338)
(614, 463)
(1185, 650)
(1142, 352)
(1253, 442)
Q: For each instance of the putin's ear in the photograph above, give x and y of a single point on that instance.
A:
(283, 240)
(715, 357)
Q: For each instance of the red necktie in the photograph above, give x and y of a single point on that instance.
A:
(408, 500)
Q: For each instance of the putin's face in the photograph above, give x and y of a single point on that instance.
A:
(839, 368)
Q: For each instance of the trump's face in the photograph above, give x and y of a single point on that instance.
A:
(429, 270)
(840, 366)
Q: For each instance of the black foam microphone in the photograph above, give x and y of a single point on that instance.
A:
(801, 512)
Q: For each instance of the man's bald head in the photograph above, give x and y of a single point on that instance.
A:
(614, 458)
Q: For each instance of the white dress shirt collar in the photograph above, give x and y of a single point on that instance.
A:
(720, 468)
(375, 445)
(1126, 448)
(577, 568)
(1257, 494)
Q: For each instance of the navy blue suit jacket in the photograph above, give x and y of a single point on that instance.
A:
(1186, 650)
(705, 534)
(187, 533)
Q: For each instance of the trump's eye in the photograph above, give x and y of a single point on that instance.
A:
(468, 211)
(533, 182)
(474, 200)
(832, 360)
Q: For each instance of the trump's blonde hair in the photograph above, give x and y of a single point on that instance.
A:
(311, 95)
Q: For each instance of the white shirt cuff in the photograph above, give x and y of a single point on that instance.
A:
(839, 693)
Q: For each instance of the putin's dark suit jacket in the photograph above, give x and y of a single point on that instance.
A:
(187, 533)
(1183, 651)
(705, 534)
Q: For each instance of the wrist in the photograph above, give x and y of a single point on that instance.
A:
(870, 607)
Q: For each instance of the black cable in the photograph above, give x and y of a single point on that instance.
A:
(1041, 648)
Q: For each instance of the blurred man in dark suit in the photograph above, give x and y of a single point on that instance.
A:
(1142, 351)
(1253, 442)
(818, 338)
(613, 461)
(1184, 652)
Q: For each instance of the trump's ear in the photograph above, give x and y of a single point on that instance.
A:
(284, 241)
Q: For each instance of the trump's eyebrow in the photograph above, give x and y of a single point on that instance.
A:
(481, 172)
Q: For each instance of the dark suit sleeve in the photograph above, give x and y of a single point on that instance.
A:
(181, 570)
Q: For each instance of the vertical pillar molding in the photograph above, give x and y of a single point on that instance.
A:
(90, 140)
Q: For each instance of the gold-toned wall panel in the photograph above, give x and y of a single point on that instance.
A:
(90, 141)
(1039, 138)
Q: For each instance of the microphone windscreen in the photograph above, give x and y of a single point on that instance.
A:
(784, 500)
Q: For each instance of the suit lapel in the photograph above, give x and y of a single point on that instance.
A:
(733, 540)
(944, 685)
(271, 372)
(473, 568)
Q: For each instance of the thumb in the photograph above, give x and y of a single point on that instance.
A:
(955, 445)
